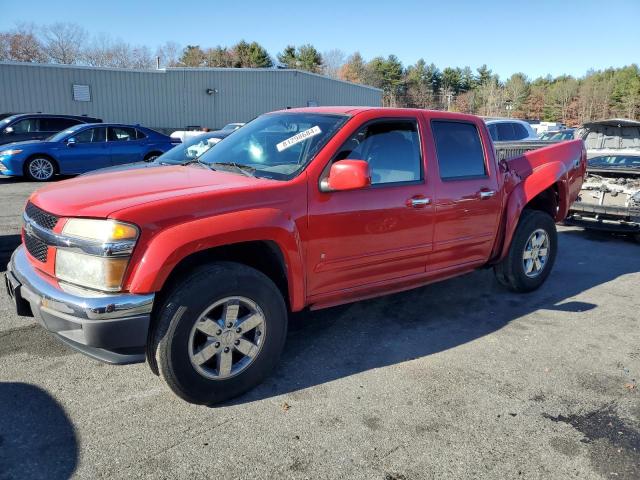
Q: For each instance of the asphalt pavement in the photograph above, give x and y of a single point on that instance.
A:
(458, 380)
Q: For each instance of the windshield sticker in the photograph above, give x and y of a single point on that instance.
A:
(300, 137)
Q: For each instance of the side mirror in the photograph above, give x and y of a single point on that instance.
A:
(348, 175)
(71, 141)
(8, 130)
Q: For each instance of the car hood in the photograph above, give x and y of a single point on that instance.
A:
(125, 167)
(101, 195)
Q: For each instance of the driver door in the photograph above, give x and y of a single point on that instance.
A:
(89, 152)
(380, 233)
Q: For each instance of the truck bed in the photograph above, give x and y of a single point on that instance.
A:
(507, 150)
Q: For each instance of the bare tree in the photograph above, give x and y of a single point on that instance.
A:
(333, 60)
(169, 54)
(63, 42)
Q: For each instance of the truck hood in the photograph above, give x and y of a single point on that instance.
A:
(99, 196)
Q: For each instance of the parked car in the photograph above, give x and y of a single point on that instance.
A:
(610, 196)
(82, 148)
(196, 267)
(187, 151)
(230, 127)
(37, 126)
(559, 135)
(614, 133)
(509, 129)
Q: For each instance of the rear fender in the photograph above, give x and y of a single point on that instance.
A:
(561, 166)
(170, 246)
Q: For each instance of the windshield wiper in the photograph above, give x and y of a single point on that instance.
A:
(246, 170)
(195, 160)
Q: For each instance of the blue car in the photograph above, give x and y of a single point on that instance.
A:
(82, 148)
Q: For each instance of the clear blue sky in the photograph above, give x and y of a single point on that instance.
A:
(535, 37)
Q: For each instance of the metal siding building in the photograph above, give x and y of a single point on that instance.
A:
(171, 98)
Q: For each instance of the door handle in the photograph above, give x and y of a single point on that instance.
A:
(486, 194)
(418, 202)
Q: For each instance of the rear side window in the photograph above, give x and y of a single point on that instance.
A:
(56, 124)
(140, 135)
(121, 134)
(459, 150)
(505, 132)
(519, 131)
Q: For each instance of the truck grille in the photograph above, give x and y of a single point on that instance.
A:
(42, 218)
(36, 247)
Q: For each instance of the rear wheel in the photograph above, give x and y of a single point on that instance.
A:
(220, 332)
(532, 253)
(40, 169)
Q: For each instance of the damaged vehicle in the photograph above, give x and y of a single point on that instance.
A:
(610, 196)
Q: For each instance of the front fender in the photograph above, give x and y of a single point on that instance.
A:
(165, 250)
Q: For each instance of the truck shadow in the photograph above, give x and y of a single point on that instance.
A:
(331, 344)
(8, 243)
(37, 439)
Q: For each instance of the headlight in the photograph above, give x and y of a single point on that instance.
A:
(101, 273)
(99, 230)
(98, 253)
(8, 153)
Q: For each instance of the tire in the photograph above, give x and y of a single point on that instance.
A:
(40, 169)
(512, 270)
(152, 156)
(179, 346)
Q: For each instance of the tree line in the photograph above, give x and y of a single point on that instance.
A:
(596, 95)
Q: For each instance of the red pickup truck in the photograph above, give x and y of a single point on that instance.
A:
(194, 268)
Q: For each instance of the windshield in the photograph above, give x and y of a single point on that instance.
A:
(6, 120)
(276, 145)
(616, 161)
(190, 149)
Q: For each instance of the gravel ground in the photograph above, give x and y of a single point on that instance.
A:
(456, 380)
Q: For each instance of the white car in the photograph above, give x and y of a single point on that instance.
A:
(509, 130)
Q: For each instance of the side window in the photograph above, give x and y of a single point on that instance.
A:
(520, 131)
(140, 135)
(505, 132)
(392, 149)
(459, 150)
(493, 131)
(27, 125)
(90, 135)
(56, 124)
(121, 134)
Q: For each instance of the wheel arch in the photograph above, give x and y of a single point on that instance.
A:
(56, 165)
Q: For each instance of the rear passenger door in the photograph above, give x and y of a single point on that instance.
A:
(467, 197)
(125, 145)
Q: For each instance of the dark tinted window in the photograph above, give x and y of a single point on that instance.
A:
(459, 149)
(519, 131)
(121, 134)
(392, 149)
(56, 124)
(140, 135)
(90, 135)
(27, 125)
(615, 161)
(493, 131)
(505, 132)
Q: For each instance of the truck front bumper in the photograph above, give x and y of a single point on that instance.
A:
(108, 327)
(604, 217)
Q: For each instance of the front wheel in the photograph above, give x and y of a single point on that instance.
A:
(220, 332)
(532, 253)
(40, 169)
